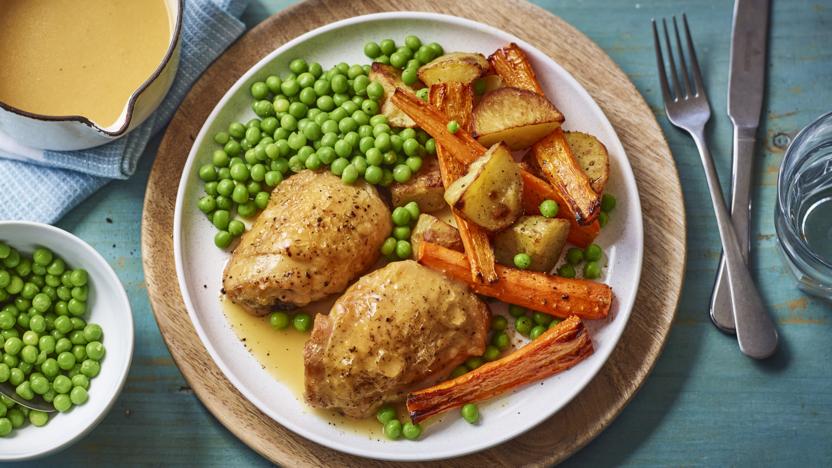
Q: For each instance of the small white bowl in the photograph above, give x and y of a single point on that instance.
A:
(76, 132)
(108, 307)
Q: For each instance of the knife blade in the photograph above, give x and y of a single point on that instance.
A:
(746, 87)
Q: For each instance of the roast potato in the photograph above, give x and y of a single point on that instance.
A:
(592, 156)
(456, 66)
(541, 238)
(425, 188)
(515, 116)
(390, 78)
(432, 229)
(489, 194)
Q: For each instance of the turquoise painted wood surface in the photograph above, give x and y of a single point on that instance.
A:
(705, 404)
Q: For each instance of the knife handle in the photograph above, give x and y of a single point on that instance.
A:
(742, 173)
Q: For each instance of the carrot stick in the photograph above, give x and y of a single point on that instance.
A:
(511, 63)
(536, 190)
(556, 162)
(553, 295)
(556, 350)
(457, 102)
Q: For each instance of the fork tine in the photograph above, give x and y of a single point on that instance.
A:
(694, 63)
(688, 90)
(676, 88)
(660, 63)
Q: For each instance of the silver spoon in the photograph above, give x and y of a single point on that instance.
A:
(37, 403)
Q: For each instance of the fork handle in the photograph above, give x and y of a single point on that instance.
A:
(743, 168)
(756, 333)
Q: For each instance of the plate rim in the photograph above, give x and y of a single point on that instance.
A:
(625, 308)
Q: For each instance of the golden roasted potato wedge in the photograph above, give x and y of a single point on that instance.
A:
(541, 238)
(425, 188)
(460, 67)
(390, 78)
(592, 156)
(490, 193)
(432, 229)
(515, 116)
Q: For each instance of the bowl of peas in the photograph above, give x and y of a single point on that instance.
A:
(66, 339)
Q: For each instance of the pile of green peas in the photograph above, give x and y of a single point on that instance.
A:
(590, 257)
(309, 118)
(47, 347)
(398, 246)
(608, 203)
(394, 429)
(408, 57)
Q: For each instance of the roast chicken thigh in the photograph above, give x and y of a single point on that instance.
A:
(396, 329)
(314, 238)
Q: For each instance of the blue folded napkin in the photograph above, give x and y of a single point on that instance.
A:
(43, 185)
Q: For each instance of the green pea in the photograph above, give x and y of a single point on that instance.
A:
(349, 174)
(385, 414)
(470, 413)
(207, 173)
(401, 216)
(78, 395)
(24, 390)
(414, 163)
(29, 354)
(66, 360)
(499, 323)
(259, 90)
(411, 431)
(16, 376)
(62, 403)
(339, 84)
(359, 85)
(402, 173)
(290, 87)
(541, 319)
(375, 91)
(46, 344)
(603, 219)
(592, 270)
(5, 250)
(90, 368)
(247, 210)
(12, 259)
(453, 126)
(430, 146)
(62, 384)
(279, 320)
(343, 148)
(239, 195)
(373, 175)
(5, 373)
(388, 248)
(302, 322)
(41, 302)
(501, 340)
(608, 203)
(233, 148)
(422, 94)
(360, 165)
(516, 310)
(393, 429)
(40, 384)
(63, 344)
(413, 43)
(382, 141)
(5, 427)
(398, 59)
(15, 286)
(436, 49)
(403, 249)
(16, 416)
(325, 103)
(549, 208)
(523, 325)
(38, 418)
(554, 323)
(492, 353)
(273, 83)
(574, 256)
(281, 105)
(312, 162)
(593, 253)
(413, 208)
(372, 50)
(222, 239)
(337, 167)
(297, 140)
(298, 66)
(401, 232)
(537, 331)
(409, 76)
(95, 350)
(387, 46)
(347, 124)
(306, 80)
(424, 55)
(13, 346)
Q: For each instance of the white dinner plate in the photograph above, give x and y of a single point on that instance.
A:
(199, 263)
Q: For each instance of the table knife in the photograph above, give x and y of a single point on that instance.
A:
(746, 85)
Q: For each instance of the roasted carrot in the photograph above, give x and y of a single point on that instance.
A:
(553, 157)
(465, 149)
(553, 295)
(513, 67)
(556, 350)
(536, 190)
(456, 101)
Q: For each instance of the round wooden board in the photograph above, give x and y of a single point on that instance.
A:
(661, 200)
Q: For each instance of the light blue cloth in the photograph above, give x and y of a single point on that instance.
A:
(44, 191)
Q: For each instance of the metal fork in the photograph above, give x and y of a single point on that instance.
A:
(687, 107)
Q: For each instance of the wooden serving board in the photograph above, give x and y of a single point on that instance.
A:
(661, 200)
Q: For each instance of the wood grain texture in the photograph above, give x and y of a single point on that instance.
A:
(658, 182)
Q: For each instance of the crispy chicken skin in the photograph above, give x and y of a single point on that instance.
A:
(314, 238)
(396, 329)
